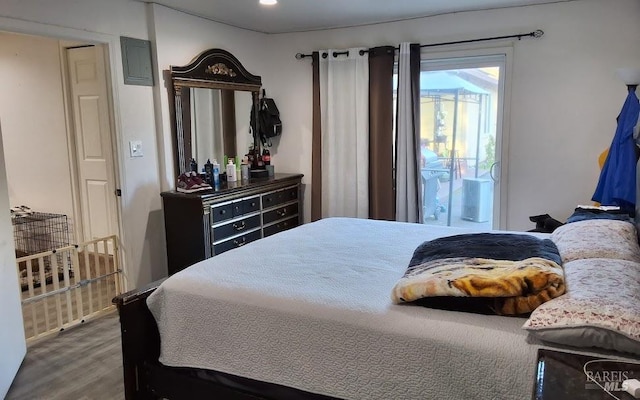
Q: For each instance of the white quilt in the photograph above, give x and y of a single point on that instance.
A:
(310, 308)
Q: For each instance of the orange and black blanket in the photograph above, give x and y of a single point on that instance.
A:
(506, 274)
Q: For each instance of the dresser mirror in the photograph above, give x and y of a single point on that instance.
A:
(212, 102)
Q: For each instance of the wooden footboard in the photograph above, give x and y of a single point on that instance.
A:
(140, 340)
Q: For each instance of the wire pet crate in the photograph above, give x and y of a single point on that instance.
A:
(37, 232)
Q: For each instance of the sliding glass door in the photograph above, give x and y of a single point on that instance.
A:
(461, 102)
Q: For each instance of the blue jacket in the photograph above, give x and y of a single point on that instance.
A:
(617, 183)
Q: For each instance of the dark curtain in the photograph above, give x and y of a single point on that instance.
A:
(381, 193)
(316, 144)
(229, 121)
(415, 97)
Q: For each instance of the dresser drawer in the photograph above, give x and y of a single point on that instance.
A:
(236, 242)
(279, 197)
(233, 228)
(221, 213)
(280, 226)
(280, 213)
(250, 205)
(236, 207)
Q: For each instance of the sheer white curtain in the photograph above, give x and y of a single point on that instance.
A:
(344, 104)
(408, 193)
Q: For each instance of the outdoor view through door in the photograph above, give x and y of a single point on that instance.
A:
(460, 110)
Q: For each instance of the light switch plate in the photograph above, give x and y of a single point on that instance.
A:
(135, 148)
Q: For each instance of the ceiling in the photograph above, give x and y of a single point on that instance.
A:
(309, 15)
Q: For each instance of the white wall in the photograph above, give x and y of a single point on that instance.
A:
(12, 343)
(33, 122)
(565, 95)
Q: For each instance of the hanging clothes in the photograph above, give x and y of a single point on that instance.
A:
(617, 183)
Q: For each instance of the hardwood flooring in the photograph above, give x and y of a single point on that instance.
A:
(80, 363)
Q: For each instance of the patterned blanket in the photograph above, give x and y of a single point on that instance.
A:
(508, 274)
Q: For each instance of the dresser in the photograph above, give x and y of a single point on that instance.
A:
(204, 224)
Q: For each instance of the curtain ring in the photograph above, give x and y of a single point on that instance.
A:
(325, 55)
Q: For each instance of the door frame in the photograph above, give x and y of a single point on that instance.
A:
(111, 46)
(500, 204)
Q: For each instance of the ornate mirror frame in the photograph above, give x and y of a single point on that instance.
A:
(213, 69)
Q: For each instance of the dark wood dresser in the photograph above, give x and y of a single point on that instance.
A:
(201, 225)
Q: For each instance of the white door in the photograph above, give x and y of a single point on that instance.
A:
(461, 140)
(94, 155)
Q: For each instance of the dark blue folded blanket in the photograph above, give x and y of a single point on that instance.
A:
(496, 246)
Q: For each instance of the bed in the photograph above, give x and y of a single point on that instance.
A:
(316, 322)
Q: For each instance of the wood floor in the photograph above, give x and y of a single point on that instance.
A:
(80, 363)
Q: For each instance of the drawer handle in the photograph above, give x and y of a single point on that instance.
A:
(240, 244)
(223, 212)
(253, 204)
(239, 226)
(282, 213)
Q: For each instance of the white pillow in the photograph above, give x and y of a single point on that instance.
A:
(597, 238)
(600, 309)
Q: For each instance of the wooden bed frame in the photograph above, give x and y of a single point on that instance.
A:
(146, 378)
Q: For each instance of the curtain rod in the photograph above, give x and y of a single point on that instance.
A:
(535, 34)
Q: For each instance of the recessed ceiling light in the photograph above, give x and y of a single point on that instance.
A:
(268, 2)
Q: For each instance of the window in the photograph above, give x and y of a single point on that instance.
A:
(460, 139)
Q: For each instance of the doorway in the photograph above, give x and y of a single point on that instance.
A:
(460, 135)
(57, 130)
(61, 170)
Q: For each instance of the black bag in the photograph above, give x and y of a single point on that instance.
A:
(269, 124)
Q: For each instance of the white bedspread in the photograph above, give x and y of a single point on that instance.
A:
(310, 308)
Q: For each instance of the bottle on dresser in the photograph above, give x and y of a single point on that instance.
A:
(231, 171)
(244, 169)
(266, 156)
(216, 173)
(208, 172)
